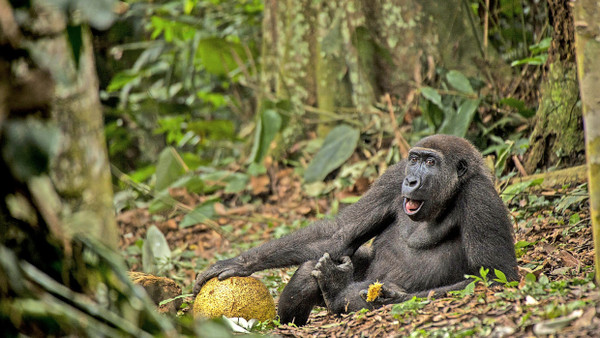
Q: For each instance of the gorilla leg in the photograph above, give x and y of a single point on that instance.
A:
(335, 278)
(299, 297)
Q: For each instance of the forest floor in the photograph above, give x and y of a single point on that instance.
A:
(554, 244)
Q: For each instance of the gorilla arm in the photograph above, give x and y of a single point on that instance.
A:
(342, 236)
(488, 236)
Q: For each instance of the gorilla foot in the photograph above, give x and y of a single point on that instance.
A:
(333, 278)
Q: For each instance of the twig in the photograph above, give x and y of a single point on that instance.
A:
(519, 166)
(402, 144)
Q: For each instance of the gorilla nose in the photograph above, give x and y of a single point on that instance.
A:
(411, 183)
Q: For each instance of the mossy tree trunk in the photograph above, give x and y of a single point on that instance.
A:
(587, 37)
(80, 172)
(337, 58)
(57, 278)
(557, 133)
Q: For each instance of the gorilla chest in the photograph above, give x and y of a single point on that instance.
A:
(442, 262)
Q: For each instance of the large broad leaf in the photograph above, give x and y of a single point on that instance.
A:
(266, 129)
(337, 148)
(459, 82)
(200, 214)
(169, 168)
(156, 254)
(432, 95)
(457, 122)
(216, 55)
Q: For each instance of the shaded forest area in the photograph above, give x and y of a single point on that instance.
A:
(160, 136)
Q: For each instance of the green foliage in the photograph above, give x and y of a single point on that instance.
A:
(515, 189)
(337, 148)
(156, 255)
(539, 54)
(200, 214)
(409, 307)
(450, 109)
(267, 127)
(185, 82)
(168, 169)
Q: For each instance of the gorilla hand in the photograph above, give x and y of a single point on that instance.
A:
(387, 295)
(222, 270)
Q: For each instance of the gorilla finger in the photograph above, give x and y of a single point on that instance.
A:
(346, 260)
(363, 294)
(316, 273)
(325, 259)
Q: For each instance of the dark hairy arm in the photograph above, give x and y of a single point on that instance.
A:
(341, 236)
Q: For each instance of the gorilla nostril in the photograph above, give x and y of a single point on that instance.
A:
(411, 182)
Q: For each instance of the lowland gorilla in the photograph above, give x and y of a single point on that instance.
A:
(435, 217)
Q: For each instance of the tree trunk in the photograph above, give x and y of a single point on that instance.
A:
(587, 37)
(80, 172)
(557, 132)
(337, 58)
(57, 278)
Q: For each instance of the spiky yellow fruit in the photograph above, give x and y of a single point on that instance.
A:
(244, 297)
(374, 291)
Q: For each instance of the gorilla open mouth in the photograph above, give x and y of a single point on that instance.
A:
(411, 207)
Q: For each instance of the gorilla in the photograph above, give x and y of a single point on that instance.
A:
(433, 217)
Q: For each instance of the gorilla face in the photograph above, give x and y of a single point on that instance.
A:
(429, 182)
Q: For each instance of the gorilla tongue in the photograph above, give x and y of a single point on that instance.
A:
(411, 207)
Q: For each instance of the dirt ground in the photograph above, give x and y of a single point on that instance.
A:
(558, 248)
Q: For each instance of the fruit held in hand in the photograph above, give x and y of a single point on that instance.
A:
(244, 297)
(374, 291)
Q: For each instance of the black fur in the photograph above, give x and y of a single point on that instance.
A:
(460, 226)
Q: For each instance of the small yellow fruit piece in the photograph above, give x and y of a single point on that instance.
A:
(244, 297)
(374, 291)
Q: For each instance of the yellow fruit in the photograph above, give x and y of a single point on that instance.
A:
(244, 297)
(374, 291)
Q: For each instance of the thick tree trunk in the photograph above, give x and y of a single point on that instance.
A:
(557, 132)
(338, 57)
(587, 37)
(80, 172)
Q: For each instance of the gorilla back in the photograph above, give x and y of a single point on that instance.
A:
(435, 217)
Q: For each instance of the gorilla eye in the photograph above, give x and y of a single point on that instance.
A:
(412, 159)
(430, 161)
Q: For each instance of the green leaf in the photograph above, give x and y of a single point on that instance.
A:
(193, 184)
(537, 60)
(267, 128)
(457, 123)
(202, 213)
(460, 82)
(121, 79)
(337, 148)
(237, 182)
(514, 189)
(216, 55)
(155, 251)
(500, 276)
(432, 95)
(519, 105)
(213, 129)
(161, 202)
(169, 168)
(470, 288)
(543, 46)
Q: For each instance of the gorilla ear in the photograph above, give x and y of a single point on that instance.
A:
(461, 167)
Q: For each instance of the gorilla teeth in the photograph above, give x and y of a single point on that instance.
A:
(411, 207)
